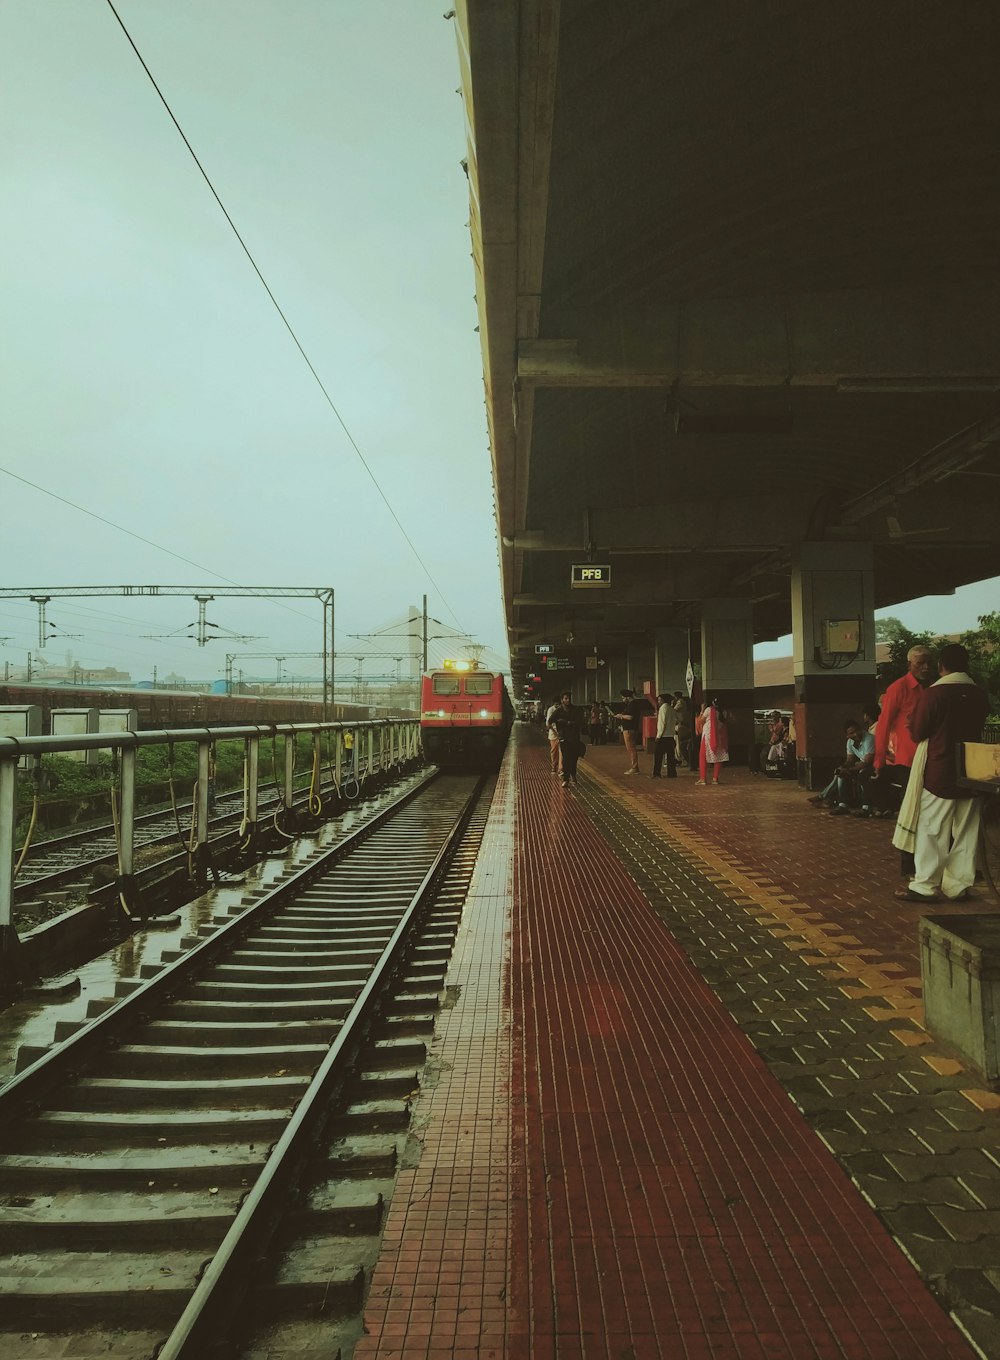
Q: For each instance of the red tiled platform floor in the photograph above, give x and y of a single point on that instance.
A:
(661, 1196)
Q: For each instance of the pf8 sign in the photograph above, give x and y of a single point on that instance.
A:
(590, 575)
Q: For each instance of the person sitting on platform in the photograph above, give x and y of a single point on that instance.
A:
(851, 780)
(778, 734)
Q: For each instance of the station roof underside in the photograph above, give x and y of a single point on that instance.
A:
(738, 284)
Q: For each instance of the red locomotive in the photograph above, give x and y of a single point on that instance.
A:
(465, 715)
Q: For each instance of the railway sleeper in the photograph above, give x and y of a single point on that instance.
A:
(225, 1035)
(384, 1084)
(334, 1008)
(141, 1060)
(307, 1287)
(115, 1093)
(62, 1130)
(180, 1165)
(406, 1026)
(69, 1221)
(371, 1116)
(61, 1291)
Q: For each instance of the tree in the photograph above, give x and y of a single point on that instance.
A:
(983, 646)
(897, 664)
(890, 629)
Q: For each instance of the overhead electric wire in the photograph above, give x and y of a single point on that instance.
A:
(132, 534)
(288, 326)
(112, 525)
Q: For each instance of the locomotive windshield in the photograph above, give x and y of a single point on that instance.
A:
(445, 684)
(480, 683)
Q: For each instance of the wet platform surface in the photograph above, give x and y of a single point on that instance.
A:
(681, 1102)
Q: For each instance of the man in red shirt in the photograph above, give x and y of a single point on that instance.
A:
(894, 744)
(953, 710)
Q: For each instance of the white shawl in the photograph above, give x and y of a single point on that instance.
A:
(905, 835)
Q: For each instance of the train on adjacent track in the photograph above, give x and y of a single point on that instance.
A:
(465, 716)
(159, 708)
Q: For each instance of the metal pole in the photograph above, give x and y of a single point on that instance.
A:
(8, 825)
(333, 653)
(325, 665)
(289, 771)
(127, 827)
(201, 845)
(10, 945)
(371, 750)
(424, 652)
(253, 785)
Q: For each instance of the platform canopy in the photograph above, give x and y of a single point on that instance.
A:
(738, 279)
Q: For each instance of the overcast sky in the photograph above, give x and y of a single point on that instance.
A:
(146, 375)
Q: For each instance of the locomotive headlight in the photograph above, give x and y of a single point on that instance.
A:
(440, 712)
(484, 713)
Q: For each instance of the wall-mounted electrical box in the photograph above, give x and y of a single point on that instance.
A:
(842, 636)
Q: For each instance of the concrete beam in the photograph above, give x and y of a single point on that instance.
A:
(865, 340)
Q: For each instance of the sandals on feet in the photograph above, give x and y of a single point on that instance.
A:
(908, 895)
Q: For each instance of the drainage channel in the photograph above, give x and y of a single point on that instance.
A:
(148, 1160)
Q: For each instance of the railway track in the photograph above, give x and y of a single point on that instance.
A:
(63, 861)
(232, 1122)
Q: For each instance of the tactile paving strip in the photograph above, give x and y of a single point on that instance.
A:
(676, 1204)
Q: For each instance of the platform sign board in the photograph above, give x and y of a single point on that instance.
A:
(591, 663)
(558, 663)
(590, 575)
(544, 649)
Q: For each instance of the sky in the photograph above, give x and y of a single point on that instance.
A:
(146, 376)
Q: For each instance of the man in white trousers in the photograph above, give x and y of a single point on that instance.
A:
(940, 818)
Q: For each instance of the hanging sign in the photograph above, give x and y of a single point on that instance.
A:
(590, 575)
(543, 648)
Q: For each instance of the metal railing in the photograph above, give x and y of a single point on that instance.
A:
(371, 748)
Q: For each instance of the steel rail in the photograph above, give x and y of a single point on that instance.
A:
(48, 1071)
(26, 886)
(228, 1275)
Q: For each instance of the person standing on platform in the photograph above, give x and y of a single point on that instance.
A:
(894, 744)
(666, 737)
(595, 723)
(567, 723)
(631, 722)
(553, 737)
(939, 822)
(714, 741)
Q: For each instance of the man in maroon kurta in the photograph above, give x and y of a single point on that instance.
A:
(951, 711)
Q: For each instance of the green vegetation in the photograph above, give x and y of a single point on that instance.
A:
(982, 643)
(71, 792)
